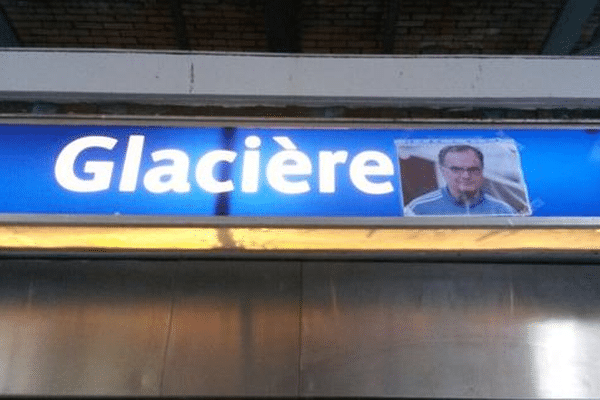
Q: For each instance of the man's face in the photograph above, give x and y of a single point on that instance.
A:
(463, 173)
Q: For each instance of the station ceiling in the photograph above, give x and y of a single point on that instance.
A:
(527, 27)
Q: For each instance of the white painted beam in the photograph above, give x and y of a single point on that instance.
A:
(251, 79)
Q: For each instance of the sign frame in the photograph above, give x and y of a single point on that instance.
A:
(305, 222)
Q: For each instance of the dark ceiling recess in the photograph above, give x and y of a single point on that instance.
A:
(179, 23)
(567, 30)
(389, 27)
(8, 37)
(282, 26)
(407, 27)
(589, 44)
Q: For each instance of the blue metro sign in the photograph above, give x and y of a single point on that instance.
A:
(299, 172)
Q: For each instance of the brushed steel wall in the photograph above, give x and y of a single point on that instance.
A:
(298, 328)
(420, 330)
(149, 328)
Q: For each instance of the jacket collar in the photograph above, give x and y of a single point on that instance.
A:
(476, 201)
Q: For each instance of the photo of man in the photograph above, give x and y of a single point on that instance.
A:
(462, 187)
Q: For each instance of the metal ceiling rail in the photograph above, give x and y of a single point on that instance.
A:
(234, 79)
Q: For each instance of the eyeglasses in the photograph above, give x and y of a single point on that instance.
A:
(460, 170)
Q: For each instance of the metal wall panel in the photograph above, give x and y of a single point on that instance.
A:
(235, 330)
(298, 328)
(92, 327)
(418, 330)
(69, 329)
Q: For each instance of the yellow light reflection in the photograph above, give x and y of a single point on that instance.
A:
(557, 356)
(257, 239)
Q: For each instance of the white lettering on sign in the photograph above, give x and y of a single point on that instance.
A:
(327, 162)
(289, 162)
(251, 165)
(131, 166)
(205, 171)
(101, 170)
(168, 178)
(287, 171)
(371, 163)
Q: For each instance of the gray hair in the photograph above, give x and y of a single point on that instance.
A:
(459, 148)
